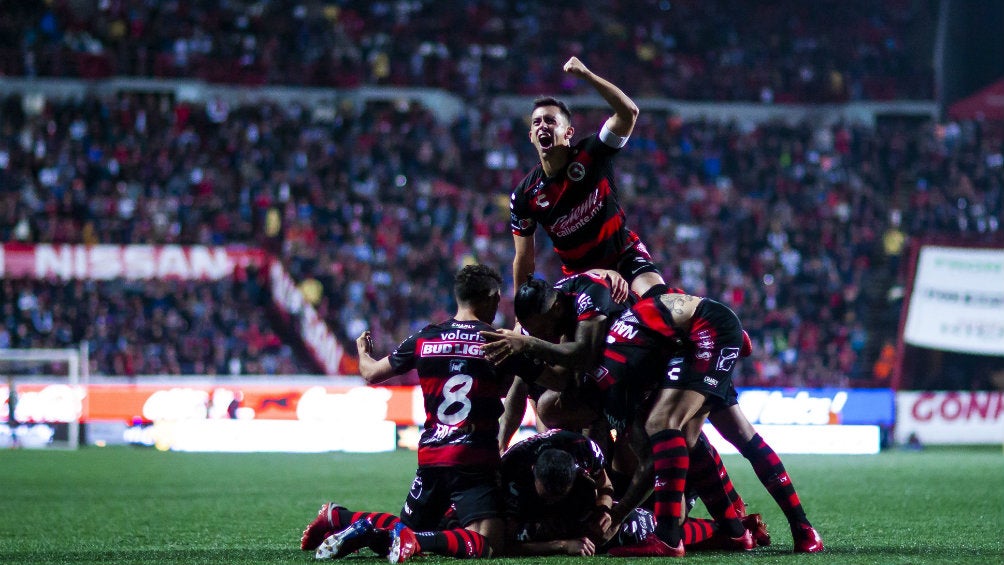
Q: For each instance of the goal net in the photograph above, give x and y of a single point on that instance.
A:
(43, 397)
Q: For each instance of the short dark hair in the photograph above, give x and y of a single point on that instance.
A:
(475, 283)
(556, 471)
(552, 101)
(532, 298)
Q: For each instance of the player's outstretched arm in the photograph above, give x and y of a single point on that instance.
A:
(373, 370)
(625, 110)
(514, 409)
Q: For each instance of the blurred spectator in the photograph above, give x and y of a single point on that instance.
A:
(798, 228)
(148, 327)
(781, 51)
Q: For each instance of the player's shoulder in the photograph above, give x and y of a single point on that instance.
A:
(530, 180)
(584, 280)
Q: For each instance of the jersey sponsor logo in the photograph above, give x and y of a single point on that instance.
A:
(451, 348)
(458, 366)
(576, 171)
(727, 358)
(541, 200)
(623, 330)
(710, 381)
(676, 361)
(703, 355)
(459, 335)
(673, 373)
(584, 303)
(578, 216)
(600, 375)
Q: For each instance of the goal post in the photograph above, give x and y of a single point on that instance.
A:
(48, 392)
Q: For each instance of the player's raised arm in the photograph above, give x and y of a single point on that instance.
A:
(371, 369)
(625, 110)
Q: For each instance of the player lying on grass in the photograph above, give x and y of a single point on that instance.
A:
(559, 498)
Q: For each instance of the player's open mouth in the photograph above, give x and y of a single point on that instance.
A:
(545, 140)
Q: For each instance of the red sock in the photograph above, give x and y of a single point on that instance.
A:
(671, 461)
(696, 530)
(772, 474)
(458, 542)
(343, 517)
(714, 486)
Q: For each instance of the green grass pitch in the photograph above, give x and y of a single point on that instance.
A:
(139, 506)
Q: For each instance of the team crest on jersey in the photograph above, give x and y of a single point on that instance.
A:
(576, 171)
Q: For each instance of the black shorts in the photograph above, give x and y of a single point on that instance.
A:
(708, 367)
(474, 494)
(633, 261)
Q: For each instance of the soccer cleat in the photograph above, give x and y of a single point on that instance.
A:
(755, 525)
(652, 546)
(349, 540)
(403, 544)
(806, 539)
(720, 541)
(740, 507)
(322, 527)
(744, 542)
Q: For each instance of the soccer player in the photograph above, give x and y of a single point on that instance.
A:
(559, 499)
(699, 340)
(576, 312)
(572, 194)
(568, 324)
(458, 457)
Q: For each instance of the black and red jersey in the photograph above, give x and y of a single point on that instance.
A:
(591, 295)
(462, 392)
(645, 337)
(577, 207)
(522, 500)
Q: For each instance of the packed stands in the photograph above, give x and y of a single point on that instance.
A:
(373, 212)
(800, 227)
(784, 51)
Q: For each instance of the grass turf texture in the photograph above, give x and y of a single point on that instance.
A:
(138, 506)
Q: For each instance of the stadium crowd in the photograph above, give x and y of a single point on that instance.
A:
(373, 211)
(783, 51)
(800, 228)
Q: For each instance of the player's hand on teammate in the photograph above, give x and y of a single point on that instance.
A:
(503, 343)
(619, 287)
(582, 546)
(599, 523)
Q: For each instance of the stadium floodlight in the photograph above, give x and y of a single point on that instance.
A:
(52, 374)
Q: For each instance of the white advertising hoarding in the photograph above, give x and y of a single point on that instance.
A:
(957, 303)
(952, 417)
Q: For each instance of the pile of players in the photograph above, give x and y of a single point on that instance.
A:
(622, 370)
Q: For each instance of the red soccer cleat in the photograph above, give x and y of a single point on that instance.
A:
(806, 539)
(322, 527)
(651, 547)
(755, 525)
(403, 544)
